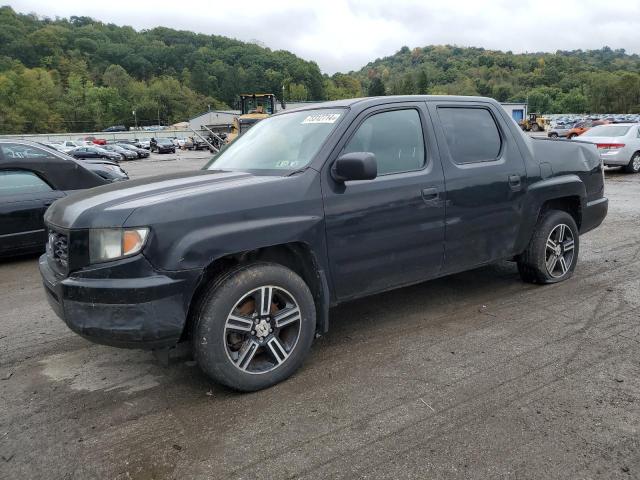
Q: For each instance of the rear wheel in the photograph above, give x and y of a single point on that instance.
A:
(552, 253)
(535, 127)
(634, 164)
(255, 326)
(553, 135)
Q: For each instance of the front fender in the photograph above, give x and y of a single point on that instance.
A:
(200, 247)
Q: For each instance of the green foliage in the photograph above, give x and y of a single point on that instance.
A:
(599, 81)
(79, 74)
(376, 88)
(342, 86)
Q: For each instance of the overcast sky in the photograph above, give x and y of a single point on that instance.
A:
(343, 35)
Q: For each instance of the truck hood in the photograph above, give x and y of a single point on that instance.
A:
(111, 205)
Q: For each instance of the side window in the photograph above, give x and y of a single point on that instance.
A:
(394, 137)
(472, 134)
(19, 151)
(21, 181)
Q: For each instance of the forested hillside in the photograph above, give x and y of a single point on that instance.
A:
(80, 74)
(578, 81)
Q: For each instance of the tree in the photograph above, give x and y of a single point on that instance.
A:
(376, 88)
(407, 86)
(423, 82)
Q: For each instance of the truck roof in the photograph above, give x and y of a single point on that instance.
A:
(369, 101)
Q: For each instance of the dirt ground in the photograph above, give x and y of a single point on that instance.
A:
(473, 376)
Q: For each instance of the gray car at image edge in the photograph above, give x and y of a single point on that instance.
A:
(618, 145)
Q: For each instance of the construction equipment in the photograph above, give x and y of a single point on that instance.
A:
(535, 123)
(254, 107)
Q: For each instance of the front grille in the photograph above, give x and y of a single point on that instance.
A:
(58, 249)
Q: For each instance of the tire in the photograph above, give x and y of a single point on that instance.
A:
(535, 127)
(634, 164)
(534, 262)
(248, 348)
(553, 135)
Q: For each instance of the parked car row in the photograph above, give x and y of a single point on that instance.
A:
(570, 126)
(573, 130)
(124, 147)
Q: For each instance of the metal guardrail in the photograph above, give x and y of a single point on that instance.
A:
(109, 136)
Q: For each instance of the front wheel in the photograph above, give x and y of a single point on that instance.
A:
(634, 164)
(552, 253)
(255, 327)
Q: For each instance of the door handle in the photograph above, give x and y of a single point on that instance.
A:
(514, 182)
(430, 194)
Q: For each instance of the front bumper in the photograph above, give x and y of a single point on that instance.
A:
(123, 304)
(593, 214)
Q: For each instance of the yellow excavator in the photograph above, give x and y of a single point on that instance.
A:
(253, 107)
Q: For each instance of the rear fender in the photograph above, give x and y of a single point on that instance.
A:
(542, 191)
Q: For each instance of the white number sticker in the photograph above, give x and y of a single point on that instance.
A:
(322, 118)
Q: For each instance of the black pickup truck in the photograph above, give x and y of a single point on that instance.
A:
(310, 208)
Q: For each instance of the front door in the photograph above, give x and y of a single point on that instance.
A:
(389, 231)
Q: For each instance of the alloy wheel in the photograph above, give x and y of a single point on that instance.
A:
(559, 252)
(262, 329)
(636, 162)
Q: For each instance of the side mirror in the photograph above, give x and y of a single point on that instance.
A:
(355, 166)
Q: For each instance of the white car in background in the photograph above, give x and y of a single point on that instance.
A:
(67, 145)
(618, 144)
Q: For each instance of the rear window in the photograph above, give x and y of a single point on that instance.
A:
(472, 134)
(607, 131)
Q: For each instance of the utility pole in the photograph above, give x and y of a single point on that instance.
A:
(135, 119)
(158, 115)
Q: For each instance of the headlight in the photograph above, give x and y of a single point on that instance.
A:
(112, 243)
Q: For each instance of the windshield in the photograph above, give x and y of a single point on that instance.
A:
(284, 142)
(607, 131)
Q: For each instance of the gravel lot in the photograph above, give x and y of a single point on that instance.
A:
(476, 375)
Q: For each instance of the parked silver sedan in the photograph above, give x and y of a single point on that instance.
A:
(618, 144)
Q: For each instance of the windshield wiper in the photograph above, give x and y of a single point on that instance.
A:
(295, 172)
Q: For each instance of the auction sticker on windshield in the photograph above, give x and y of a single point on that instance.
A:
(322, 118)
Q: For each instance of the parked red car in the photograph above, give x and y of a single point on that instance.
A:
(97, 141)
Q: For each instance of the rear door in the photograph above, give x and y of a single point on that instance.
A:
(389, 231)
(485, 178)
(24, 197)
